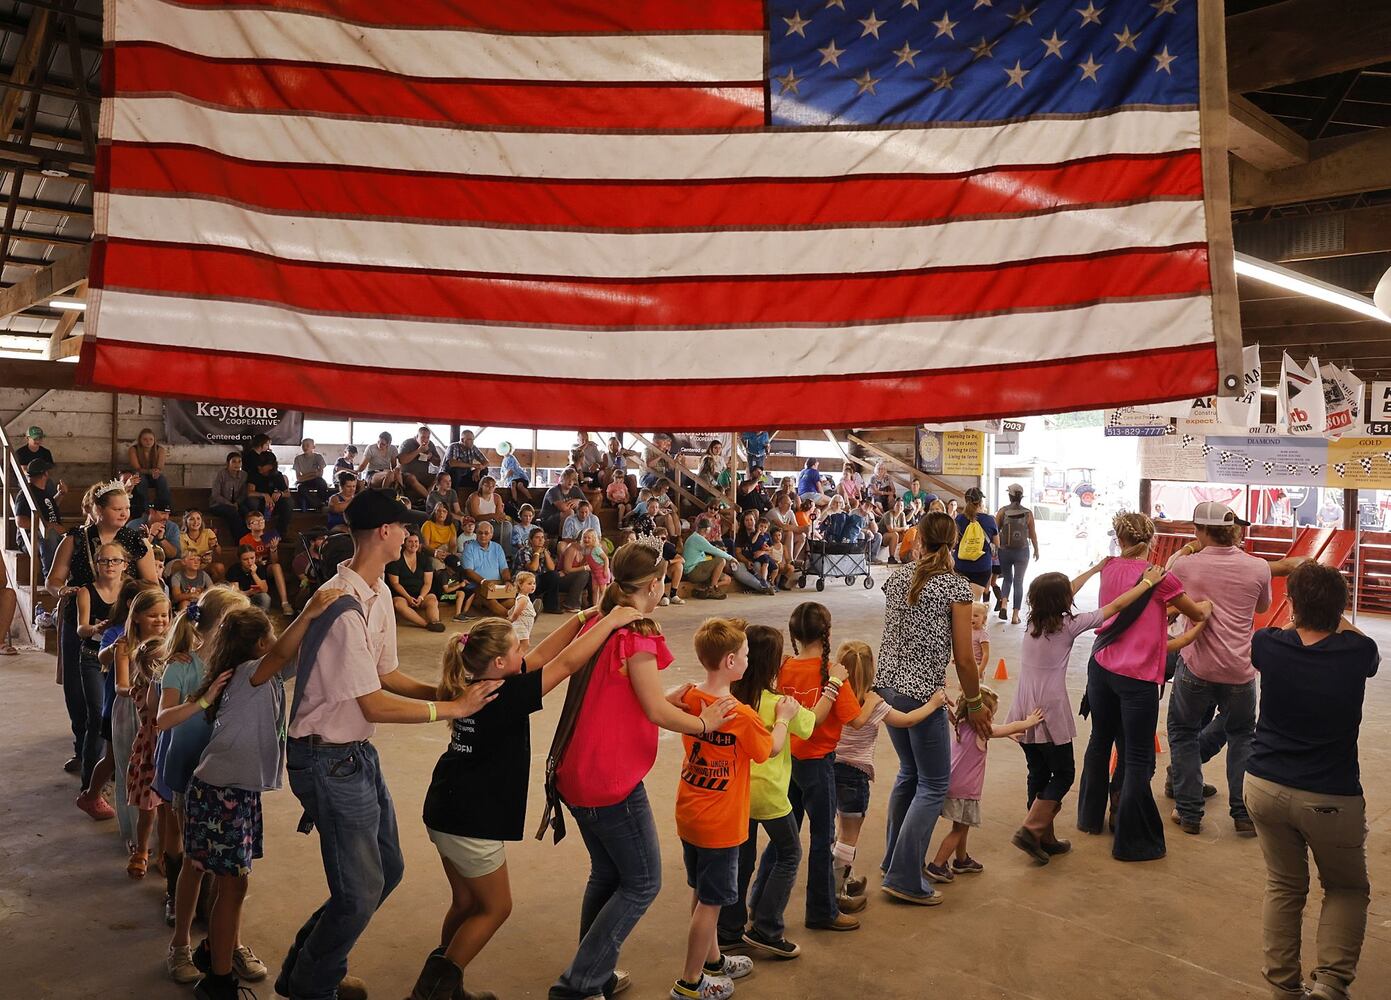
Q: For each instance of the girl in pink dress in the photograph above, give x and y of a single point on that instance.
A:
(962, 805)
(596, 559)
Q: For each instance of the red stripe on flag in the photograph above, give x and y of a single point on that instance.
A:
(757, 202)
(961, 394)
(214, 272)
(603, 16)
(376, 95)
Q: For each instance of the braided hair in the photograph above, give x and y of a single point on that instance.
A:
(811, 622)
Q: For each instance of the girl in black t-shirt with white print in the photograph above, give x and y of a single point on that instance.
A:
(477, 795)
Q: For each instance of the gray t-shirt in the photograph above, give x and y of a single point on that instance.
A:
(309, 466)
(247, 749)
(381, 460)
(200, 581)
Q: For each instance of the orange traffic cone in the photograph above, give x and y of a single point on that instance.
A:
(1001, 674)
(1158, 747)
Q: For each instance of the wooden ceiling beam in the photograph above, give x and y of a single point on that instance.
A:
(1364, 230)
(61, 276)
(1365, 332)
(1337, 167)
(1304, 40)
(26, 374)
(1260, 140)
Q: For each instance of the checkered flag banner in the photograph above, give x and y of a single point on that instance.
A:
(1386, 455)
(1187, 439)
(1315, 469)
(1269, 467)
(1226, 456)
(1291, 468)
(1339, 468)
(1247, 461)
(1207, 450)
(1366, 464)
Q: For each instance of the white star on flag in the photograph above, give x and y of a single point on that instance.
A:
(872, 25)
(945, 26)
(1125, 40)
(1054, 45)
(796, 25)
(1023, 15)
(831, 54)
(983, 49)
(1016, 75)
(1091, 14)
(942, 80)
(1089, 68)
(906, 54)
(1164, 59)
(865, 83)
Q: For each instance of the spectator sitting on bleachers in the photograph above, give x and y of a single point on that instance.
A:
(466, 530)
(582, 520)
(266, 545)
(522, 527)
(228, 498)
(713, 469)
(445, 493)
(809, 483)
(246, 579)
(146, 459)
(482, 562)
(881, 487)
(486, 505)
(783, 515)
(416, 457)
(411, 578)
(660, 464)
(48, 497)
(533, 557)
(588, 460)
(560, 501)
(338, 503)
(869, 526)
(751, 549)
(466, 463)
(617, 495)
(851, 486)
(310, 489)
(188, 580)
(752, 495)
(893, 525)
(267, 488)
(515, 482)
(778, 551)
(162, 531)
(616, 465)
(199, 537)
(665, 495)
(705, 562)
(33, 448)
(347, 462)
(381, 462)
(440, 538)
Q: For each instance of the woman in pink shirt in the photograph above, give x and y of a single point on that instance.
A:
(1124, 676)
(599, 771)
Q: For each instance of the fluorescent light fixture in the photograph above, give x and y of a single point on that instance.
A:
(68, 305)
(1283, 277)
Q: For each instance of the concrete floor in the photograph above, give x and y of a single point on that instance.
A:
(1084, 928)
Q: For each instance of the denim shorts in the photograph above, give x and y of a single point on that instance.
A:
(852, 790)
(712, 872)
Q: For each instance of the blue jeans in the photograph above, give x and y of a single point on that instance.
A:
(924, 771)
(343, 794)
(625, 875)
(1189, 702)
(813, 794)
(777, 871)
(741, 573)
(1013, 563)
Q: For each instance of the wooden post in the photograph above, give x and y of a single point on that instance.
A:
(115, 419)
(534, 437)
(1145, 497)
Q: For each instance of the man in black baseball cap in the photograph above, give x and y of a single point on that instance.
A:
(47, 497)
(349, 681)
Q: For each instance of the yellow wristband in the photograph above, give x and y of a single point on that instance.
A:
(433, 715)
(203, 702)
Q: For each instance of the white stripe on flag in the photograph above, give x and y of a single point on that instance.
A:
(449, 54)
(625, 156)
(653, 255)
(647, 355)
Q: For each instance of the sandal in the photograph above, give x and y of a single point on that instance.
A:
(9, 649)
(138, 864)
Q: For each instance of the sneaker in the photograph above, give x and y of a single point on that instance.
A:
(842, 922)
(676, 599)
(732, 967)
(709, 988)
(435, 627)
(245, 965)
(95, 806)
(918, 899)
(1189, 826)
(72, 765)
(287, 609)
(664, 602)
(179, 962)
(966, 866)
(621, 981)
(728, 944)
(938, 873)
(850, 904)
(778, 947)
(1244, 826)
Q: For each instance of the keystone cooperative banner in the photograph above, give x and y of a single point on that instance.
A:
(231, 424)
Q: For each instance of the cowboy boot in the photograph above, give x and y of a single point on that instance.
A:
(1050, 841)
(440, 979)
(1028, 838)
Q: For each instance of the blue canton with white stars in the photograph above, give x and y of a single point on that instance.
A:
(900, 62)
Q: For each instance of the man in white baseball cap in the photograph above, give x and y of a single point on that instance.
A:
(1215, 671)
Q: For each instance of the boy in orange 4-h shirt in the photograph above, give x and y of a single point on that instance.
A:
(712, 808)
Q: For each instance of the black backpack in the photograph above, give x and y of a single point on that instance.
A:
(1014, 533)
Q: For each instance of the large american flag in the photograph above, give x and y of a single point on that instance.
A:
(714, 214)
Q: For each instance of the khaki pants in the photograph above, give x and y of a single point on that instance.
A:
(1290, 823)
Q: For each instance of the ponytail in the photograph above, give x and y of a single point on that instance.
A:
(937, 536)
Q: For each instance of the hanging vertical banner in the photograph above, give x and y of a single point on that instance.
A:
(1244, 410)
(1299, 397)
